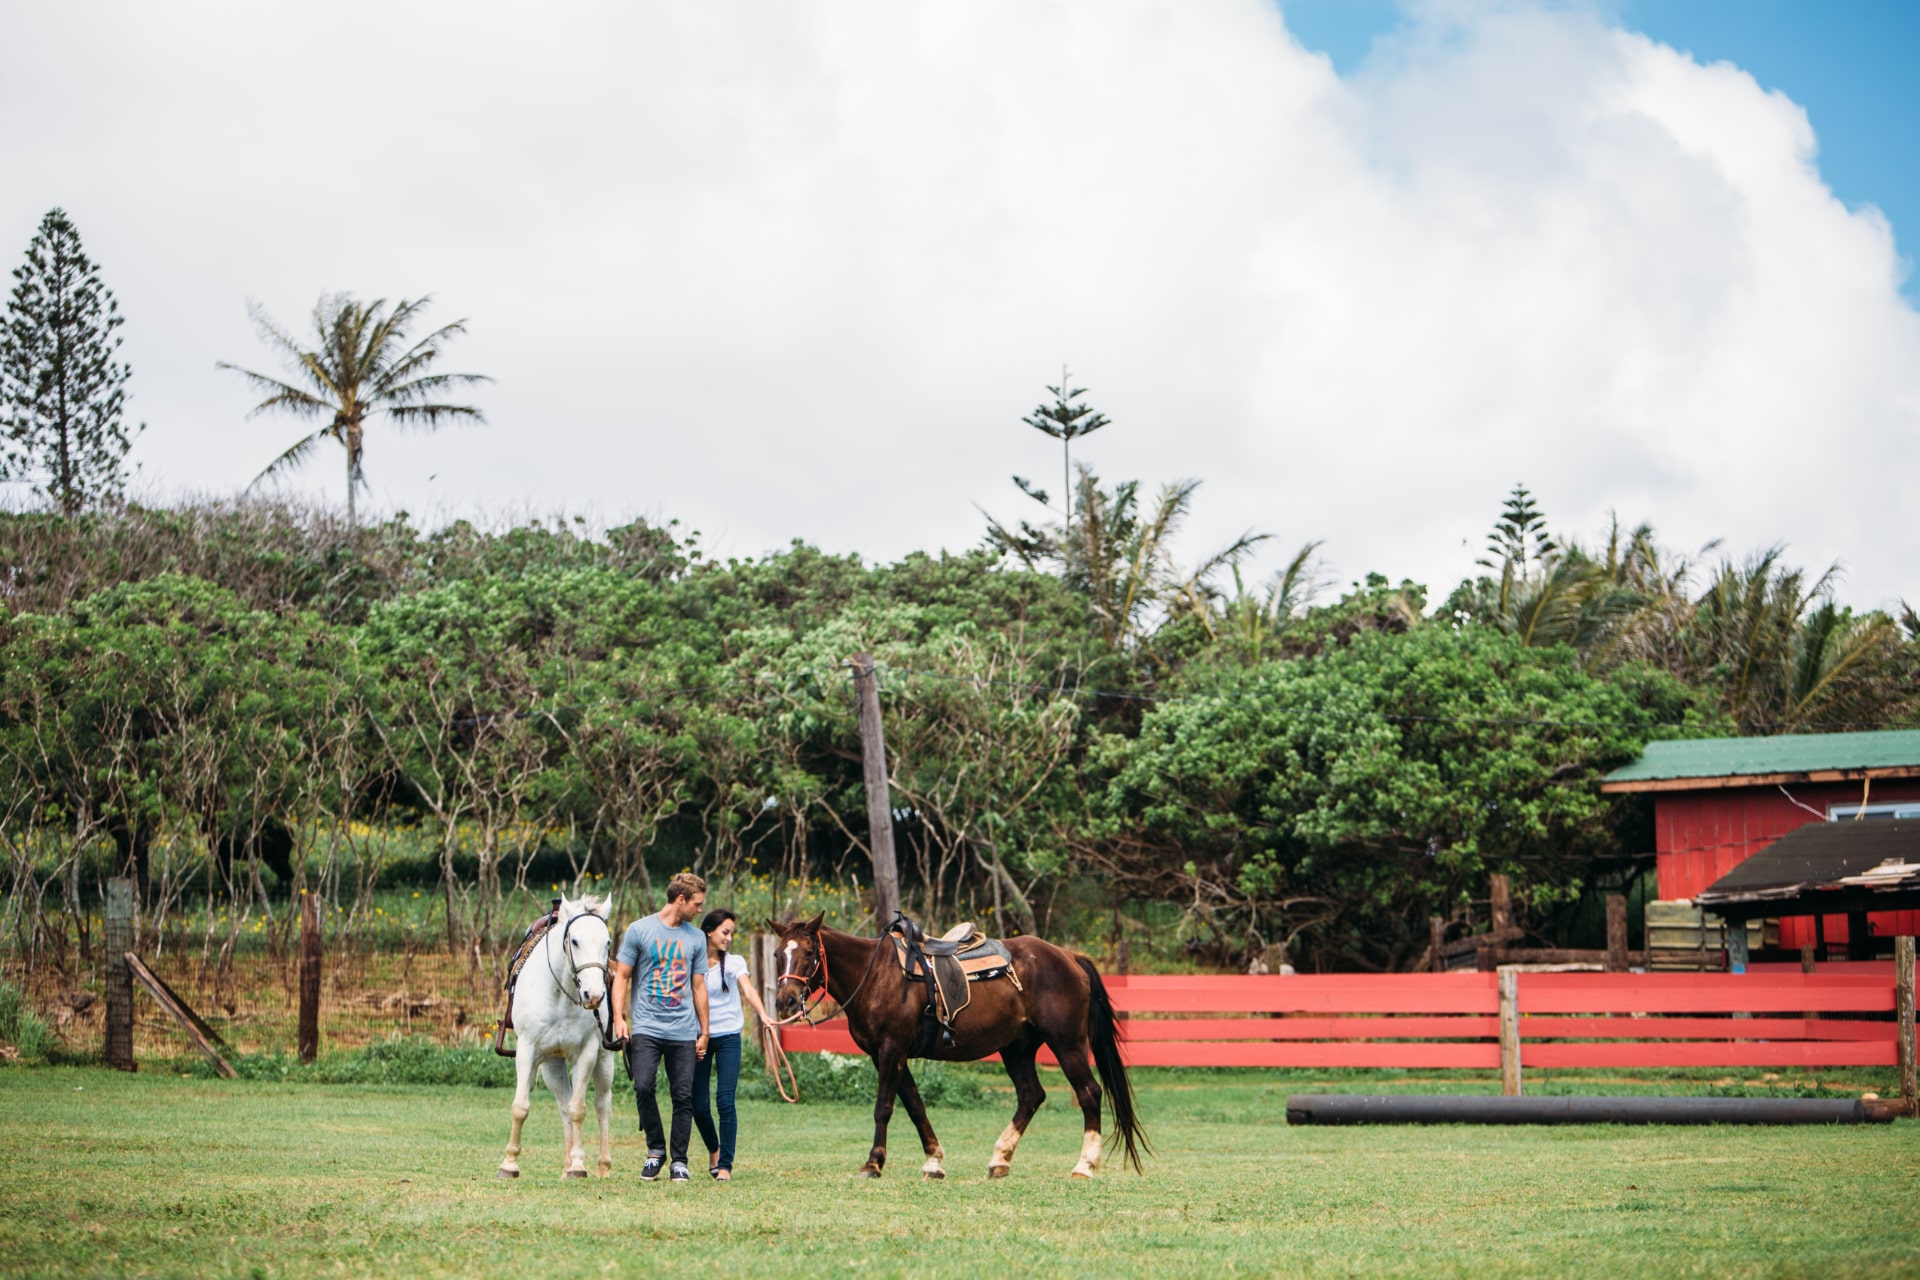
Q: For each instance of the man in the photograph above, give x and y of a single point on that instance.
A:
(660, 977)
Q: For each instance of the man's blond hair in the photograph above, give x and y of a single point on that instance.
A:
(685, 885)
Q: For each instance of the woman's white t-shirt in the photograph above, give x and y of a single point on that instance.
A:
(723, 1007)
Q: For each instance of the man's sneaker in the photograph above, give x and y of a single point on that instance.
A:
(651, 1169)
(679, 1174)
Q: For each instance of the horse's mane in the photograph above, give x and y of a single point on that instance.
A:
(590, 905)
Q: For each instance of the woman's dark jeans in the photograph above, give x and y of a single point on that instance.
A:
(723, 1059)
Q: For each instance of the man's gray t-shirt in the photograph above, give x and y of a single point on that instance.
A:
(664, 960)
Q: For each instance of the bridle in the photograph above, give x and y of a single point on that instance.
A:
(820, 973)
(575, 970)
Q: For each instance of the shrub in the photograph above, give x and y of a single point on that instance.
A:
(395, 1060)
(31, 1039)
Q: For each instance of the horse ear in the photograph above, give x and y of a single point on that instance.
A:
(813, 925)
(771, 926)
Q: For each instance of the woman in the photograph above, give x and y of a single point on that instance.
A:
(726, 984)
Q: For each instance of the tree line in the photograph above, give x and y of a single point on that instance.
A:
(216, 697)
(1085, 731)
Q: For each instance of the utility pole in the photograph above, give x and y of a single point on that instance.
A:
(873, 756)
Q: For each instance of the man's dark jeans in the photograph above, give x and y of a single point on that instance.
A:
(644, 1056)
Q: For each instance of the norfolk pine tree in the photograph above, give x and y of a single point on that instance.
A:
(61, 391)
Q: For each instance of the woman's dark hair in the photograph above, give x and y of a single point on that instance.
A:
(708, 923)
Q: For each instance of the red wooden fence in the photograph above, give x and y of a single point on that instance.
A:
(1429, 1020)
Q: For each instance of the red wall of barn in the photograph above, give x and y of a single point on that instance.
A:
(1702, 835)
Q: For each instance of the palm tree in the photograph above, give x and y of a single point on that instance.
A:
(1785, 656)
(363, 366)
(1119, 556)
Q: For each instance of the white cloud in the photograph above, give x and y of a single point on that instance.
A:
(798, 269)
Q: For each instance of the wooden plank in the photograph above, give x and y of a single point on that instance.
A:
(189, 1021)
(200, 1024)
(1330, 993)
(1765, 1053)
(1473, 1027)
(1323, 1054)
(1682, 1028)
(1621, 1027)
(1705, 993)
(1565, 955)
(1476, 942)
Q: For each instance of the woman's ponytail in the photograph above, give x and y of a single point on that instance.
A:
(713, 920)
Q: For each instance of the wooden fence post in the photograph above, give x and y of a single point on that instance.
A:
(1616, 933)
(873, 757)
(309, 1041)
(1510, 1032)
(1501, 905)
(1903, 1017)
(1436, 939)
(119, 941)
(769, 978)
(1736, 945)
(1859, 936)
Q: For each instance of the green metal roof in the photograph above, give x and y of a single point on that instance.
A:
(1788, 753)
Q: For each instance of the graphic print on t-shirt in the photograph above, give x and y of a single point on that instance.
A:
(671, 969)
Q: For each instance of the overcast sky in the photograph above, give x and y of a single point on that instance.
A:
(797, 270)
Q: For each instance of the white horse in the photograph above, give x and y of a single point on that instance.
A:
(557, 1021)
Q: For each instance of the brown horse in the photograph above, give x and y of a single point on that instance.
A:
(1054, 999)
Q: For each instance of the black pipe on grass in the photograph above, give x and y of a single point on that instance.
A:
(1354, 1108)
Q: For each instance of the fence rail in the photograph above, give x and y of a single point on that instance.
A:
(1767, 1017)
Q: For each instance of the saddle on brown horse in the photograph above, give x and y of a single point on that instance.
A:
(947, 965)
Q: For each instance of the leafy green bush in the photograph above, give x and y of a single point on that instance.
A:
(395, 1060)
(32, 1039)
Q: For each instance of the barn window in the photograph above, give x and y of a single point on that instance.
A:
(1898, 809)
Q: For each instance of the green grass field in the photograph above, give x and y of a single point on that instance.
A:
(158, 1175)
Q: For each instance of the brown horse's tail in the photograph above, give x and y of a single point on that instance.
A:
(1103, 1032)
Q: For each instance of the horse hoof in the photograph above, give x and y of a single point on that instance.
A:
(999, 1170)
(1084, 1177)
(507, 1173)
(867, 1173)
(575, 1173)
(934, 1175)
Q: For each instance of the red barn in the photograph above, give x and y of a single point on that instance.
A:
(1719, 801)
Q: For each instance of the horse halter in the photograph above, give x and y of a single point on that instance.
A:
(606, 1002)
(577, 969)
(819, 972)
